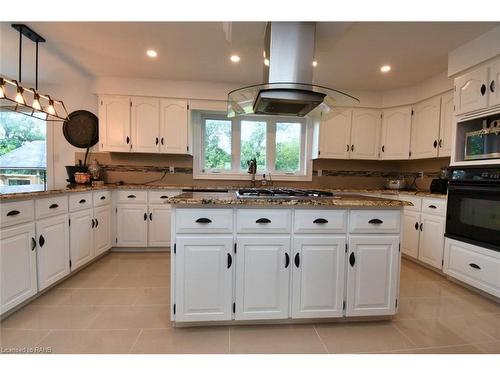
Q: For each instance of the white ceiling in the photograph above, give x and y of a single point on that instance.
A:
(349, 55)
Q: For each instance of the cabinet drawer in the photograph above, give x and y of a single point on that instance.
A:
(80, 201)
(472, 267)
(159, 197)
(51, 206)
(320, 221)
(206, 220)
(416, 201)
(16, 212)
(131, 196)
(101, 198)
(375, 221)
(263, 221)
(434, 206)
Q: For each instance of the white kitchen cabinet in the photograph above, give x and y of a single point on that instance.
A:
(396, 132)
(81, 238)
(335, 135)
(102, 229)
(318, 265)
(145, 124)
(159, 225)
(114, 123)
(132, 225)
(53, 250)
(372, 275)
(18, 278)
(425, 129)
(174, 126)
(203, 278)
(430, 249)
(365, 134)
(494, 84)
(262, 277)
(445, 125)
(411, 233)
(471, 90)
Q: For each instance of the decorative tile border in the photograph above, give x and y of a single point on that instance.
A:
(145, 169)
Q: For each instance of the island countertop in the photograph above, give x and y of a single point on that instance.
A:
(230, 198)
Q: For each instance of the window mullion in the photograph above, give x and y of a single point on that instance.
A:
(271, 146)
(236, 146)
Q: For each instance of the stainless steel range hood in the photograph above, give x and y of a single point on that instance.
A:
(288, 72)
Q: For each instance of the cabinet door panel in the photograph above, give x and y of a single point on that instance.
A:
(411, 233)
(494, 84)
(365, 134)
(468, 96)
(335, 135)
(80, 234)
(17, 265)
(431, 245)
(159, 226)
(145, 125)
(318, 279)
(445, 126)
(114, 123)
(132, 225)
(203, 280)
(396, 131)
(372, 275)
(173, 126)
(425, 129)
(262, 281)
(53, 250)
(102, 230)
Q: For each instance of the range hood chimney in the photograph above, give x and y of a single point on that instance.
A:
(287, 88)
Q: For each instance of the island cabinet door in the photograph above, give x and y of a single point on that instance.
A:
(372, 275)
(262, 277)
(318, 265)
(203, 278)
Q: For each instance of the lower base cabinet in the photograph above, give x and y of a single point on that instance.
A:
(81, 238)
(203, 278)
(372, 275)
(102, 230)
(159, 226)
(132, 225)
(430, 248)
(52, 250)
(411, 233)
(318, 276)
(262, 277)
(18, 278)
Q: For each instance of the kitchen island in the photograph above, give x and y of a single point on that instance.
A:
(258, 260)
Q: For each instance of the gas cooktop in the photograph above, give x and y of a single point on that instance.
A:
(282, 193)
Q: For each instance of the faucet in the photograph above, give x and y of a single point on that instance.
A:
(252, 169)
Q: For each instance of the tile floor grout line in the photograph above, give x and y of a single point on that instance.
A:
(135, 341)
(321, 340)
(44, 337)
(405, 335)
(229, 330)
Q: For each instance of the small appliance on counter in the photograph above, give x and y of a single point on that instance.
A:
(440, 185)
(395, 183)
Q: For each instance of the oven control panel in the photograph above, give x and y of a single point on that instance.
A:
(475, 175)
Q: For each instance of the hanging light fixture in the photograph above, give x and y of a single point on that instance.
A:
(28, 101)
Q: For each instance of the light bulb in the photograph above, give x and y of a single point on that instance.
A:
(36, 101)
(315, 63)
(2, 90)
(50, 108)
(19, 96)
(235, 58)
(266, 62)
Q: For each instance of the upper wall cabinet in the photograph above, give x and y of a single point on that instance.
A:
(146, 125)
(335, 135)
(114, 123)
(365, 134)
(425, 129)
(445, 126)
(396, 131)
(174, 126)
(494, 84)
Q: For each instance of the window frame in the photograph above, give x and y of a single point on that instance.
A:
(304, 173)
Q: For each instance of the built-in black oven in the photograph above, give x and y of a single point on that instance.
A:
(473, 209)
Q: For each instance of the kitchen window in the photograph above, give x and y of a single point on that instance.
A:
(224, 146)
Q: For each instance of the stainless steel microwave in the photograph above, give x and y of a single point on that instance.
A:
(483, 143)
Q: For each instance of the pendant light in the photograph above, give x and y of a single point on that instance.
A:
(29, 101)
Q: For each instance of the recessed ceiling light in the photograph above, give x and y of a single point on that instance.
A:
(266, 62)
(151, 53)
(235, 58)
(315, 63)
(385, 68)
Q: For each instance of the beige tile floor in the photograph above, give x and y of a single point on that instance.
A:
(120, 304)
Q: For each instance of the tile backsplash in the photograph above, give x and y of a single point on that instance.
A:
(155, 169)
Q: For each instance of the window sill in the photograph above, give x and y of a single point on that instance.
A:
(247, 177)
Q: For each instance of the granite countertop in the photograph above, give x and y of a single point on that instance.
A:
(344, 200)
(85, 188)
